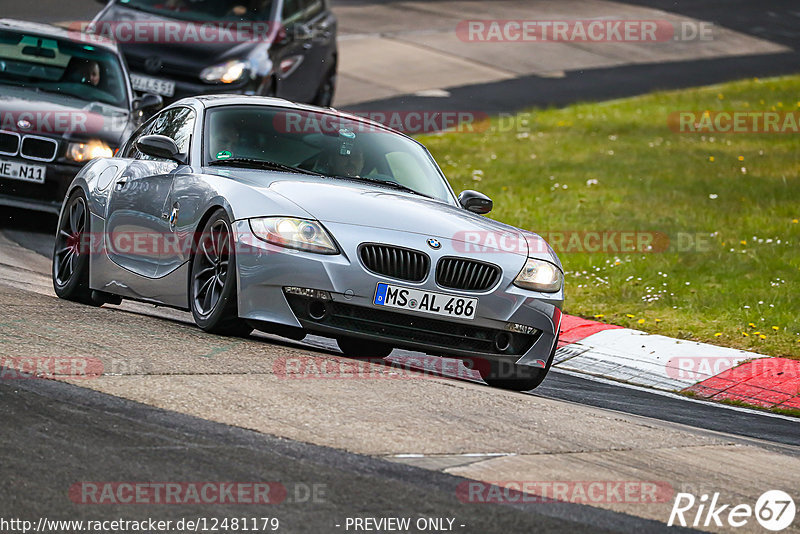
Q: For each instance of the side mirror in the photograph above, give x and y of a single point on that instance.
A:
(301, 32)
(148, 102)
(160, 146)
(475, 202)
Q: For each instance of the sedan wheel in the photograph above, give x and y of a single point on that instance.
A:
(71, 252)
(212, 284)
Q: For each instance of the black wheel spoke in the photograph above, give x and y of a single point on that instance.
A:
(206, 285)
(205, 271)
(213, 245)
(206, 253)
(69, 239)
(211, 270)
(207, 299)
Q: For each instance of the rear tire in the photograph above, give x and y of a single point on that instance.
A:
(212, 281)
(70, 270)
(362, 348)
(507, 375)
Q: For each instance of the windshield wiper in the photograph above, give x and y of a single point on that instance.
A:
(388, 183)
(262, 164)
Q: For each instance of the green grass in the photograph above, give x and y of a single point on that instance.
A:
(650, 179)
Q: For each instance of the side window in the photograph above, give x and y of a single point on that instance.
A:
(176, 123)
(312, 8)
(129, 150)
(292, 10)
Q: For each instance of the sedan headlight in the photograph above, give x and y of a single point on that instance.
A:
(540, 276)
(89, 150)
(288, 232)
(227, 72)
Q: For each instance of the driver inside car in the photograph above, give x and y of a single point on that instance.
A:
(349, 163)
(226, 139)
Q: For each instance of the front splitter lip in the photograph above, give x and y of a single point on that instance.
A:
(334, 332)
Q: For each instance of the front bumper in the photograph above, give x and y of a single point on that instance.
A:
(265, 270)
(47, 196)
(185, 88)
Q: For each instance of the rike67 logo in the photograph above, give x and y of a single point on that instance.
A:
(774, 510)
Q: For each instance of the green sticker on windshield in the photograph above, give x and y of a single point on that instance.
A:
(224, 154)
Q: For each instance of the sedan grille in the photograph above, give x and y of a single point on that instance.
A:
(9, 143)
(38, 148)
(395, 262)
(469, 275)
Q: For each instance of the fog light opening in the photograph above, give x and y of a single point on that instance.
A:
(502, 341)
(317, 310)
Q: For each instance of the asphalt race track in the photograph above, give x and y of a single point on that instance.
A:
(196, 407)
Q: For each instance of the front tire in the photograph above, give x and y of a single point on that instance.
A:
(212, 282)
(508, 375)
(70, 269)
(362, 348)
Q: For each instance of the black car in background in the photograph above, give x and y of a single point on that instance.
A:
(64, 100)
(179, 48)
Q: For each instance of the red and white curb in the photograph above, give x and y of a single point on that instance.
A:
(655, 361)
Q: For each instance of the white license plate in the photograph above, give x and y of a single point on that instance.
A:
(146, 84)
(406, 298)
(22, 171)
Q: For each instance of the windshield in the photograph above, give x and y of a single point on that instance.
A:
(75, 69)
(322, 143)
(205, 10)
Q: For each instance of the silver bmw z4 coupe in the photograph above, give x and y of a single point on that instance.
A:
(258, 213)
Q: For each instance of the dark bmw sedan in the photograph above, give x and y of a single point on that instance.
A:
(64, 101)
(179, 48)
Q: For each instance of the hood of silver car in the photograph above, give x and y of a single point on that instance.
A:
(377, 207)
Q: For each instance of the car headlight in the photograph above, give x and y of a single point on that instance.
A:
(227, 72)
(289, 232)
(89, 150)
(540, 276)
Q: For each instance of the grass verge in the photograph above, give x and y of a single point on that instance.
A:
(728, 205)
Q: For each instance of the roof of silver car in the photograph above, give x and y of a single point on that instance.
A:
(210, 101)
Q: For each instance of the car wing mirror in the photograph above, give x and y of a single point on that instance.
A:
(475, 202)
(160, 146)
(148, 102)
(301, 32)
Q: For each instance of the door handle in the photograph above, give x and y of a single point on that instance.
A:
(121, 181)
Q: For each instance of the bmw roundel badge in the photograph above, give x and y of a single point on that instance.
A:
(434, 244)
